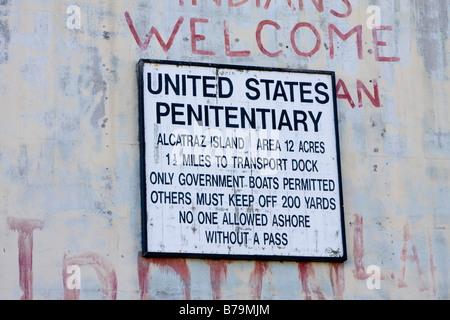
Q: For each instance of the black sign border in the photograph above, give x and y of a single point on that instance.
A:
(213, 256)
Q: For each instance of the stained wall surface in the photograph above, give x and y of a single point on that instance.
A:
(69, 147)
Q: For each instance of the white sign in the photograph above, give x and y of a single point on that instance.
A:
(239, 163)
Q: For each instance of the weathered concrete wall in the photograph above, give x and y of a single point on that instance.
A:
(69, 151)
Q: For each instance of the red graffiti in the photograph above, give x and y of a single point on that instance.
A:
(198, 37)
(374, 99)
(153, 31)
(316, 35)
(346, 95)
(306, 26)
(311, 287)
(256, 278)
(358, 30)
(307, 274)
(218, 271)
(358, 249)
(432, 266)
(25, 228)
(317, 3)
(358, 252)
(377, 44)
(343, 93)
(337, 280)
(345, 14)
(228, 52)
(414, 258)
(104, 269)
(179, 266)
(259, 40)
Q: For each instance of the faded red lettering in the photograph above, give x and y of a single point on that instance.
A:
(218, 274)
(179, 266)
(343, 15)
(377, 44)
(232, 4)
(432, 265)
(228, 52)
(104, 269)
(195, 37)
(375, 98)
(153, 31)
(358, 249)
(259, 41)
(306, 273)
(360, 86)
(266, 6)
(337, 279)
(256, 278)
(318, 4)
(291, 5)
(194, 2)
(414, 257)
(316, 34)
(358, 252)
(358, 30)
(346, 95)
(25, 228)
